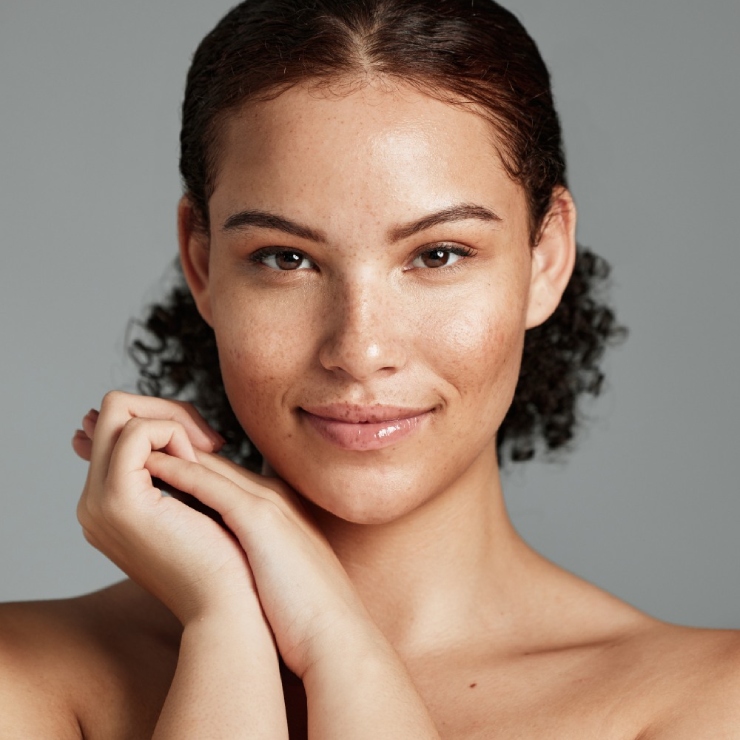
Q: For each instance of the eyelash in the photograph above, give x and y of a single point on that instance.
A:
(456, 249)
(261, 256)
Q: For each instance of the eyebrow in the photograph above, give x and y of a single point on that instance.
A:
(266, 220)
(461, 212)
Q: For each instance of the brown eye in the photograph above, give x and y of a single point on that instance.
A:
(435, 258)
(284, 260)
(440, 256)
(288, 260)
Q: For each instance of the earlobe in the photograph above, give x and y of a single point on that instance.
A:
(553, 259)
(194, 257)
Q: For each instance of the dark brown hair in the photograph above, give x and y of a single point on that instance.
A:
(464, 52)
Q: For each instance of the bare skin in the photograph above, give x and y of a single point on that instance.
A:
(99, 667)
(403, 550)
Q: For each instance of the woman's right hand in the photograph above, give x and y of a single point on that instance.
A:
(184, 558)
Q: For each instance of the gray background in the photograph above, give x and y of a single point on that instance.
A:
(648, 506)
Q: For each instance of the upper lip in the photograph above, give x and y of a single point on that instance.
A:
(366, 414)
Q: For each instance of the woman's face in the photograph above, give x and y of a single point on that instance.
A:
(369, 279)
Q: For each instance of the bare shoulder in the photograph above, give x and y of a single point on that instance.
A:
(692, 677)
(665, 681)
(74, 668)
(33, 692)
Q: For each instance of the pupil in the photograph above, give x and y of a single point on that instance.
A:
(289, 260)
(436, 258)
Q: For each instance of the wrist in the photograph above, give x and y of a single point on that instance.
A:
(359, 643)
(361, 688)
(232, 620)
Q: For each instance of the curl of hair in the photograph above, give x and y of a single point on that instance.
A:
(561, 362)
(471, 53)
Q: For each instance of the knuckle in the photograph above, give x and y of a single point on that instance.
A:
(134, 425)
(152, 429)
(113, 400)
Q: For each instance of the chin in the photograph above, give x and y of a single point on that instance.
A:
(371, 495)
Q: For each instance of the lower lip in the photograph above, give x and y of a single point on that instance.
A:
(368, 436)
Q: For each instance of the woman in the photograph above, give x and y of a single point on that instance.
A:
(376, 222)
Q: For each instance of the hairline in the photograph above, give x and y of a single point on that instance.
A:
(352, 80)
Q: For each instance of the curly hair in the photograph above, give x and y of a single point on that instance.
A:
(471, 53)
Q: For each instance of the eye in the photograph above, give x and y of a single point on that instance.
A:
(441, 256)
(284, 260)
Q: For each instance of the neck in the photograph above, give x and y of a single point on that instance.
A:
(437, 574)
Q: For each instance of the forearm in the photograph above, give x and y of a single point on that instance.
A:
(227, 684)
(361, 690)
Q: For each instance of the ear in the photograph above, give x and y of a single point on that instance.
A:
(553, 258)
(194, 256)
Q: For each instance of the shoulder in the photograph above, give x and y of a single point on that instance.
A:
(82, 662)
(689, 679)
(39, 654)
(650, 679)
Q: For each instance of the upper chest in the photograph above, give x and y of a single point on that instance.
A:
(608, 693)
(535, 699)
(576, 694)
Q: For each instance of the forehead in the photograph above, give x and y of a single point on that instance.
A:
(373, 145)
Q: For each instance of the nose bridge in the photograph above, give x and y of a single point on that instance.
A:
(362, 298)
(364, 335)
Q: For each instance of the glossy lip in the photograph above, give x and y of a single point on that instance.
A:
(361, 428)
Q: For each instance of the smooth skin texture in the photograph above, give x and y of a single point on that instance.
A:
(390, 580)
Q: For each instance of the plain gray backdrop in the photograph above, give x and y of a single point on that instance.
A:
(648, 504)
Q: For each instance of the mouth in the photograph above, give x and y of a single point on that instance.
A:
(362, 428)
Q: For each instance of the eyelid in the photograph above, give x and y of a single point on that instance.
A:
(460, 250)
(261, 255)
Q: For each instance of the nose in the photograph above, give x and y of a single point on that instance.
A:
(364, 330)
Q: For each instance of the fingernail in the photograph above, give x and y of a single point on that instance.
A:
(218, 439)
(92, 414)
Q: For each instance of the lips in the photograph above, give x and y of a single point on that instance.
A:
(361, 428)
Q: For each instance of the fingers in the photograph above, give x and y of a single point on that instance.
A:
(127, 491)
(273, 488)
(82, 445)
(118, 408)
(140, 437)
(191, 477)
(89, 422)
(212, 489)
(82, 440)
(228, 469)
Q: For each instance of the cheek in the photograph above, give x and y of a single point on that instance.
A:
(479, 351)
(262, 352)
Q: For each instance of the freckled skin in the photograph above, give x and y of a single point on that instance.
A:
(498, 641)
(361, 326)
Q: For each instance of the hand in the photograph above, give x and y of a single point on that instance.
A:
(321, 627)
(185, 559)
(319, 623)
(307, 597)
